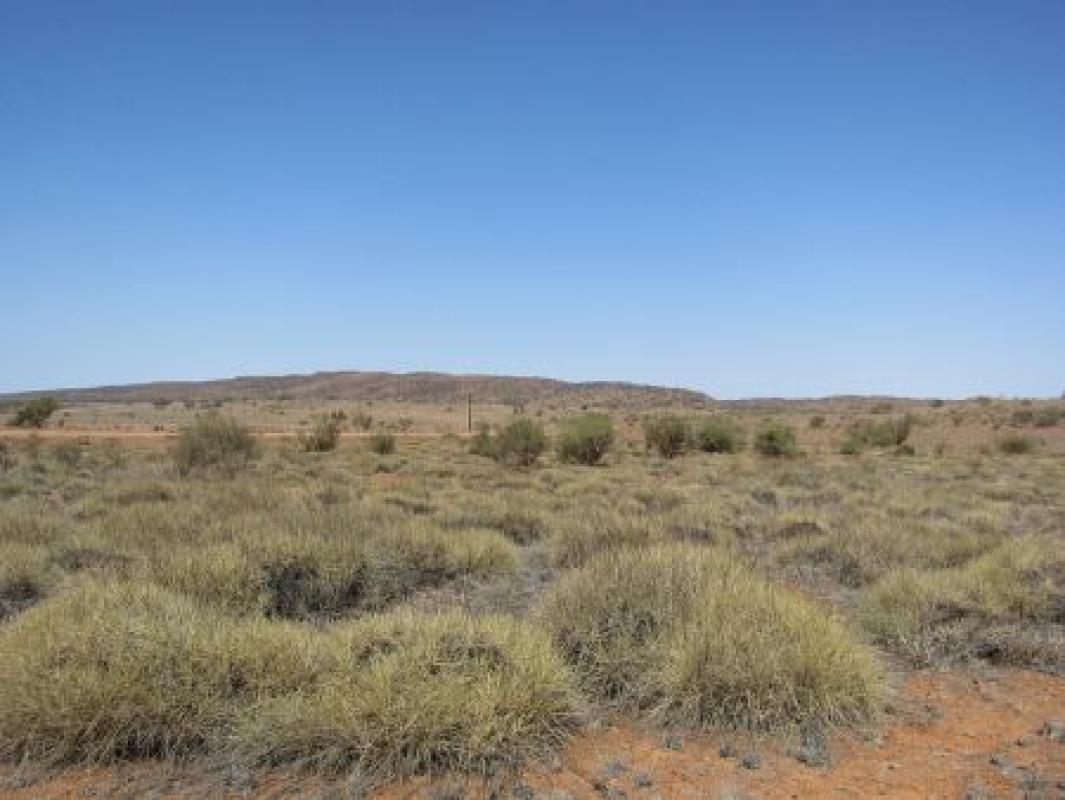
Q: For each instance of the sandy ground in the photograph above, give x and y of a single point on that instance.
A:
(963, 734)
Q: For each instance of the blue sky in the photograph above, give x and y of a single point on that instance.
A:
(750, 198)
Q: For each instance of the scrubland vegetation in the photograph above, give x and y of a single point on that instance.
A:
(354, 606)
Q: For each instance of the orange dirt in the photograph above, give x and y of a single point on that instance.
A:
(949, 735)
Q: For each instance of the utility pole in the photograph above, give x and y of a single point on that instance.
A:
(469, 412)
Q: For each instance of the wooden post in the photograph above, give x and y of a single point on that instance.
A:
(469, 412)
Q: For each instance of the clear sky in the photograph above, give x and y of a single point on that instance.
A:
(750, 198)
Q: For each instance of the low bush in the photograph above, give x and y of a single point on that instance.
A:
(1014, 445)
(690, 634)
(384, 444)
(886, 433)
(420, 692)
(718, 435)
(666, 434)
(776, 440)
(520, 442)
(1048, 417)
(817, 421)
(34, 413)
(216, 442)
(323, 436)
(585, 439)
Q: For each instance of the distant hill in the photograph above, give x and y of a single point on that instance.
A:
(418, 387)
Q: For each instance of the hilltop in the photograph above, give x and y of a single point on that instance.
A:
(417, 387)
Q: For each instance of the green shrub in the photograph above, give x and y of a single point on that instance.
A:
(521, 442)
(214, 441)
(666, 434)
(777, 440)
(1014, 445)
(384, 444)
(692, 634)
(324, 436)
(34, 413)
(423, 692)
(718, 435)
(586, 439)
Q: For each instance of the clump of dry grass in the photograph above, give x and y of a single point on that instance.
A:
(932, 616)
(26, 575)
(124, 670)
(693, 635)
(214, 442)
(303, 575)
(422, 692)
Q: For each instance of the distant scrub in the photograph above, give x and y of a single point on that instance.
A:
(692, 635)
(886, 433)
(34, 413)
(585, 439)
(384, 444)
(1016, 445)
(216, 442)
(776, 440)
(323, 436)
(521, 442)
(665, 434)
(718, 435)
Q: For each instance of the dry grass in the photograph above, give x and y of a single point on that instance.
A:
(191, 584)
(418, 693)
(691, 633)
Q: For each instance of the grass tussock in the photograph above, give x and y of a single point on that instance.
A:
(113, 671)
(422, 692)
(302, 575)
(936, 616)
(129, 670)
(693, 635)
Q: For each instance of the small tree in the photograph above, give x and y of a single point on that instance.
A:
(214, 441)
(718, 435)
(586, 439)
(34, 413)
(520, 443)
(324, 436)
(776, 440)
(666, 434)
